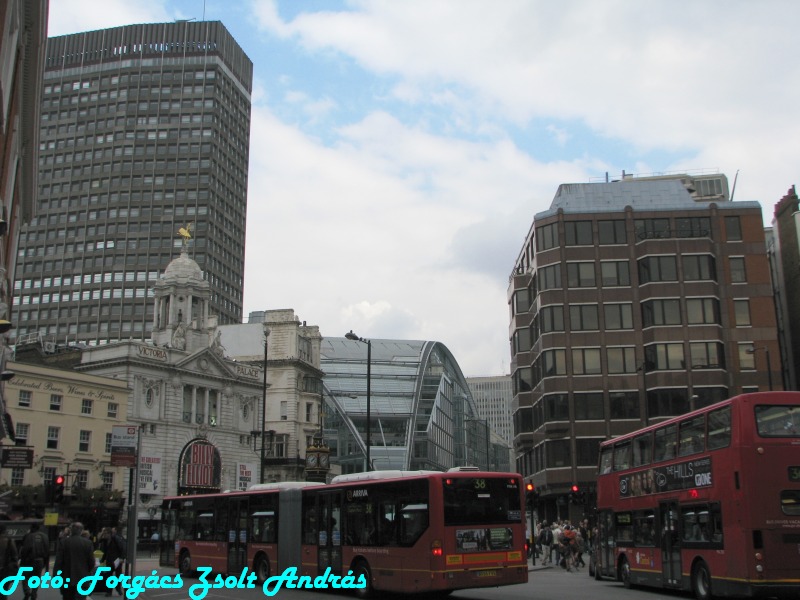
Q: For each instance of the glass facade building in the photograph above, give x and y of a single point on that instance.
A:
(422, 413)
(145, 130)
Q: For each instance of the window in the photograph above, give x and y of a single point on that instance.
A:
(618, 316)
(587, 450)
(661, 312)
(644, 528)
(589, 406)
(651, 229)
(642, 450)
(614, 273)
(557, 453)
(284, 410)
(621, 360)
(556, 407)
(667, 402)
(24, 399)
(81, 479)
(691, 436)
(551, 318)
(108, 480)
(738, 271)
(86, 406)
(522, 343)
(547, 237)
(733, 229)
(18, 476)
(22, 431)
(747, 358)
(741, 311)
(523, 379)
(580, 274)
(702, 525)
(578, 233)
(719, 428)
(692, 227)
(699, 267)
(55, 401)
(584, 317)
(658, 268)
(664, 357)
(707, 355)
(554, 362)
(84, 441)
(624, 405)
(622, 456)
(702, 311)
(611, 232)
(550, 277)
(53, 434)
(281, 445)
(107, 448)
(666, 442)
(586, 361)
(113, 408)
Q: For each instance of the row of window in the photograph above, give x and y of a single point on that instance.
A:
(698, 525)
(80, 477)
(124, 79)
(611, 232)
(25, 400)
(707, 431)
(53, 441)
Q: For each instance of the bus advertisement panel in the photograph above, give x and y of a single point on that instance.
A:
(708, 501)
(401, 531)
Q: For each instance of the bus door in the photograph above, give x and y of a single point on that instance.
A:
(329, 540)
(604, 546)
(166, 536)
(237, 534)
(670, 544)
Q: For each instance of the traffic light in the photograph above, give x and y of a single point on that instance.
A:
(530, 490)
(58, 488)
(573, 494)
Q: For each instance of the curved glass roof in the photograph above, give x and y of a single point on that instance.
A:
(422, 413)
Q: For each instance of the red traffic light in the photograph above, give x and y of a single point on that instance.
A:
(58, 480)
(574, 488)
(529, 487)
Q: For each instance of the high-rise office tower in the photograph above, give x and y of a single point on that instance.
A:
(145, 130)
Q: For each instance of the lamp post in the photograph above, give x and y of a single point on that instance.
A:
(263, 405)
(753, 350)
(352, 336)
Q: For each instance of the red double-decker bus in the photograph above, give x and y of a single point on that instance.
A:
(410, 532)
(708, 501)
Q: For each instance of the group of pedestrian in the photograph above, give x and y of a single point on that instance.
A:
(75, 557)
(563, 543)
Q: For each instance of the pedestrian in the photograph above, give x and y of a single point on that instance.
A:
(75, 560)
(9, 560)
(34, 553)
(114, 557)
(545, 541)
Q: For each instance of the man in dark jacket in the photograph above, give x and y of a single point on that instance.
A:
(34, 553)
(75, 559)
(114, 557)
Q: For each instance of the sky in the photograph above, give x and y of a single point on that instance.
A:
(400, 148)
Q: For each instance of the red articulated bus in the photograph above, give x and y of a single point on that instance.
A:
(404, 531)
(707, 502)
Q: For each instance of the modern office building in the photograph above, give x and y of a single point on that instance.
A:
(406, 399)
(23, 34)
(633, 301)
(144, 131)
(493, 396)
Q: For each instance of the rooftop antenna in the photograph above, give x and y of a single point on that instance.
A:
(733, 190)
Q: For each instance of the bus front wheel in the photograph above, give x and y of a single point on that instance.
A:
(261, 568)
(361, 569)
(701, 581)
(625, 573)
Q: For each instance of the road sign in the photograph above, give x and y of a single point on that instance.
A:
(20, 457)
(123, 445)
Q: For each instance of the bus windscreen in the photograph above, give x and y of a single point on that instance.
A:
(481, 500)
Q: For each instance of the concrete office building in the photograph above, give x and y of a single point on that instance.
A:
(145, 130)
(493, 396)
(633, 301)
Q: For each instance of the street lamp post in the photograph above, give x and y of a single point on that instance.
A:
(263, 406)
(753, 350)
(352, 336)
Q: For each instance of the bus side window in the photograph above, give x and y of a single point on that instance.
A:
(310, 528)
(622, 456)
(719, 428)
(642, 450)
(665, 442)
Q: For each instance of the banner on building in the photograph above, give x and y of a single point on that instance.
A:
(245, 475)
(149, 474)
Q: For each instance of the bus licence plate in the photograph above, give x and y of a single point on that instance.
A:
(491, 573)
